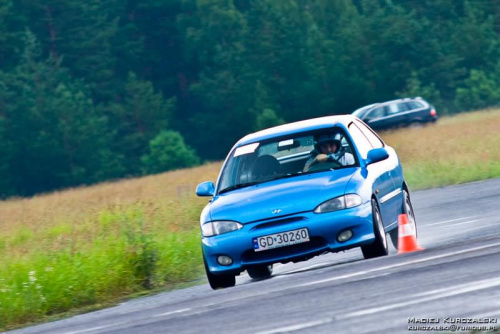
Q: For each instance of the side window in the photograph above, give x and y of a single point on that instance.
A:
(377, 112)
(393, 108)
(345, 144)
(372, 137)
(361, 142)
(415, 105)
(403, 107)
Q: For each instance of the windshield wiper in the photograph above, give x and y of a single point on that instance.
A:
(286, 176)
(243, 185)
(237, 186)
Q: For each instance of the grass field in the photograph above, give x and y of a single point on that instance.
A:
(93, 246)
(457, 149)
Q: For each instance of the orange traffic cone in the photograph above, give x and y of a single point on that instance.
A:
(407, 238)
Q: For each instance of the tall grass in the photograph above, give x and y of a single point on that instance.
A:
(117, 254)
(94, 245)
(457, 149)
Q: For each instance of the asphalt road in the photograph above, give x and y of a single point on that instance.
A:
(456, 276)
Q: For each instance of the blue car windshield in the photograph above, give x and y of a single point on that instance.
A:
(294, 155)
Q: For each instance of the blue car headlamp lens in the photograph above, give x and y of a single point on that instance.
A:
(219, 227)
(339, 203)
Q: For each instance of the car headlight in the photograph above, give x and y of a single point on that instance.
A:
(219, 227)
(339, 203)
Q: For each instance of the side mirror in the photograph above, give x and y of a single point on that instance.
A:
(205, 189)
(376, 155)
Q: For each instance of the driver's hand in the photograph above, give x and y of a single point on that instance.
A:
(321, 158)
(331, 158)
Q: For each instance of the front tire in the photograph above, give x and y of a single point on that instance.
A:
(408, 210)
(379, 247)
(219, 281)
(260, 272)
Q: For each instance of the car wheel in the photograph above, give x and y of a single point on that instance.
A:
(260, 272)
(379, 247)
(407, 209)
(219, 281)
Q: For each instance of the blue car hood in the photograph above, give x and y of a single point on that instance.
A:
(290, 195)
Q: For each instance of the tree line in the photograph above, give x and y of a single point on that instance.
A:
(104, 89)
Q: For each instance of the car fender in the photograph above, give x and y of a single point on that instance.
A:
(362, 184)
(205, 215)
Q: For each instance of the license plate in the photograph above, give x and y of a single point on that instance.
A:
(280, 239)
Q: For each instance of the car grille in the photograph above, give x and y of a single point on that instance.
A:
(293, 252)
(278, 222)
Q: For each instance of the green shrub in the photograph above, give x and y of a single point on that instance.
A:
(168, 151)
(268, 118)
(480, 90)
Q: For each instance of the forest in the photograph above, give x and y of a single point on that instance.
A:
(100, 90)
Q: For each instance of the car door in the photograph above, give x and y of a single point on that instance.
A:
(383, 185)
(376, 118)
(395, 117)
(416, 112)
(408, 115)
(393, 199)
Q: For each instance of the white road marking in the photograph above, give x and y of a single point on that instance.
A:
(143, 308)
(463, 223)
(126, 322)
(88, 330)
(476, 228)
(451, 288)
(490, 214)
(322, 264)
(437, 294)
(359, 273)
(198, 312)
(399, 265)
(172, 312)
(448, 221)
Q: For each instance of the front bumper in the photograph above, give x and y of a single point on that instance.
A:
(323, 231)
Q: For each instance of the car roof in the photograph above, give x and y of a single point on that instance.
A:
(300, 126)
(405, 99)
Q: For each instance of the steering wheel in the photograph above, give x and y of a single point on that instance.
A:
(327, 165)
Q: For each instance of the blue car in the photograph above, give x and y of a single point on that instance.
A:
(291, 192)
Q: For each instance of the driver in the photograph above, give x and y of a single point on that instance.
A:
(328, 149)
